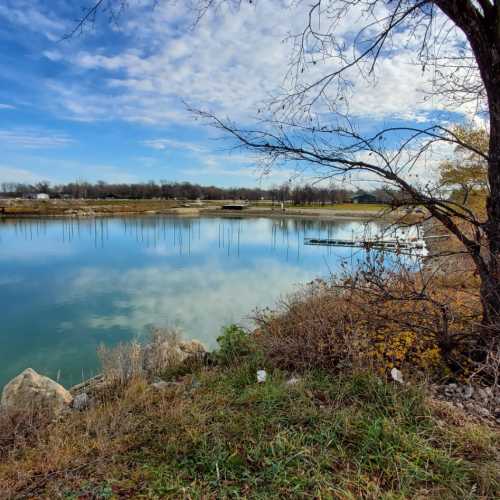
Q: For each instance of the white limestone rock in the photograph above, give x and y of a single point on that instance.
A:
(192, 347)
(31, 391)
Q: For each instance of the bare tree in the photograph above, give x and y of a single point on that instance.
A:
(296, 130)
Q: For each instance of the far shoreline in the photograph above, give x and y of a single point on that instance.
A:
(85, 209)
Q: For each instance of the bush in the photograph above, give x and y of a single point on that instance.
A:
(233, 343)
(376, 318)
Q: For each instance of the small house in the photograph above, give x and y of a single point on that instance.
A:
(364, 198)
(42, 196)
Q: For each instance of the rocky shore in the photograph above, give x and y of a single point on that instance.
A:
(31, 393)
(479, 401)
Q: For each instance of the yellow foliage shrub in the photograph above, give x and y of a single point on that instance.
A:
(393, 321)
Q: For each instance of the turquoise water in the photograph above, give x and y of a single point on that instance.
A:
(68, 285)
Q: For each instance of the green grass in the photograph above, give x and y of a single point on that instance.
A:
(354, 207)
(219, 434)
(343, 438)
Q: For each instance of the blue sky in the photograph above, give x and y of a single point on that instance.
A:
(109, 104)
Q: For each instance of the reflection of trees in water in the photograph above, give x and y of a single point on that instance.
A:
(183, 235)
(27, 229)
(151, 232)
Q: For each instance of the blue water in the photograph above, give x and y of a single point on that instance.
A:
(68, 285)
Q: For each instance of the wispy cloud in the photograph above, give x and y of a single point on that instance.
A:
(53, 55)
(208, 162)
(143, 70)
(34, 17)
(165, 144)
(13, 174)
(231, 63)
(33, 139)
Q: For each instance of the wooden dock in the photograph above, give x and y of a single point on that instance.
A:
(382, 244)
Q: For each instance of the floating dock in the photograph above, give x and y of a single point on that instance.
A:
(417, 245)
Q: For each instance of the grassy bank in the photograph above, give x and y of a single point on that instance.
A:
(48, 208)
(13, 208)
(217, 433)
(352, 207)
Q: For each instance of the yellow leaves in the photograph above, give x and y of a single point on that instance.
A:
(398, 327)
(467, 173)
(393, 349)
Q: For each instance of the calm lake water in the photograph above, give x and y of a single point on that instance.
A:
(68, 285)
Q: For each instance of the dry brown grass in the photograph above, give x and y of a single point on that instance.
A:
(83, 443)
(164, 352)
(123, 366)
(377, 318)
(19, 431)
(341, 437)
(16, 208)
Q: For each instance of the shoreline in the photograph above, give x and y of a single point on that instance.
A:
(88, 211)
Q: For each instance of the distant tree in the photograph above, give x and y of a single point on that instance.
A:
(467, 173)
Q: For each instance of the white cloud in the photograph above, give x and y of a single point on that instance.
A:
(211, 163)
(53, 55)
(69, 170)
(231, 63)
(60, 170)
(13, 174)
(78, 103)
(32, 16)
(6, 106)
(164, 144)
(33, 139)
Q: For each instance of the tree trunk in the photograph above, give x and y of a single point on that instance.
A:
(487, 50)
(483, 33)
(490, 289)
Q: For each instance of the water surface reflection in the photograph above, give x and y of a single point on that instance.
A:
(67, 285)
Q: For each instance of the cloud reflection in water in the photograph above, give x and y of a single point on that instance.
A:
(69, 284)
(198, 300)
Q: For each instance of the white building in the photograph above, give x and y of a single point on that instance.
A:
(42, 196)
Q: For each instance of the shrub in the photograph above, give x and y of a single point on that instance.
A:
(374, 317)
(233, 343)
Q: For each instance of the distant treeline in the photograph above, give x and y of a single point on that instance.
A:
(299, 195)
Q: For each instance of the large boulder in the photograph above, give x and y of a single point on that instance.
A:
(158, 356)
(31, 391)
(192, 347)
